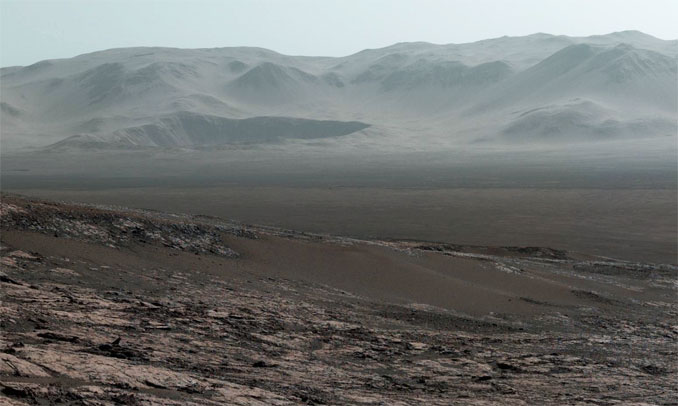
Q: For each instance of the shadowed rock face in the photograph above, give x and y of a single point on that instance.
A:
(112, 306)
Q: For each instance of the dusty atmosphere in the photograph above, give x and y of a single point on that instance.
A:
(605, 200)
(191, 214)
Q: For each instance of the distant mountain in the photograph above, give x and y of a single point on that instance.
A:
(581, 121)
(538, 88)
(269, 83)
(620, 75)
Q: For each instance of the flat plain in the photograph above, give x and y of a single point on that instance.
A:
(631, 224)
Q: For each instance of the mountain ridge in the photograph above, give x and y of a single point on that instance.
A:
(442, 88)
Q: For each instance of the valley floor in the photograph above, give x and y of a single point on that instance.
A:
(631, 224)
(106, 305)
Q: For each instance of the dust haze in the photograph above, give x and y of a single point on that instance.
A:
(514, 114)
(485, 223)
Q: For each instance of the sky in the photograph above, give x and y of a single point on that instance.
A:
(32, 30)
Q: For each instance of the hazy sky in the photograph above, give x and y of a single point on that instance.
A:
(35, 30)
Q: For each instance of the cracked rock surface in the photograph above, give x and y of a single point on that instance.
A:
(103, 306)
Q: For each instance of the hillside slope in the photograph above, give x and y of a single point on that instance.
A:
(463, 92)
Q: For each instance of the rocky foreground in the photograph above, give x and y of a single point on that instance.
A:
(104, 306)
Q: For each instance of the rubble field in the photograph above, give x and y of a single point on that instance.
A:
(109, 306)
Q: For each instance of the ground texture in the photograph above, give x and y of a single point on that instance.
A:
(103, 306)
